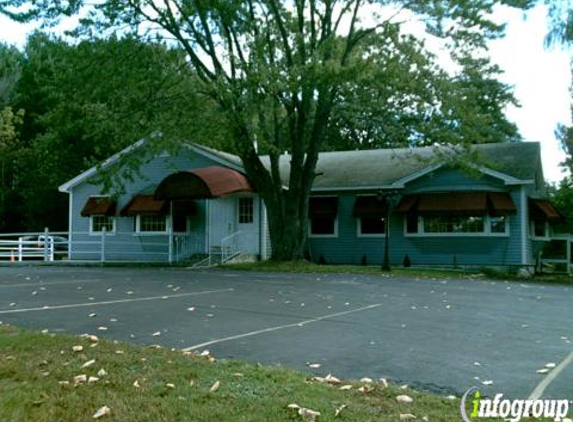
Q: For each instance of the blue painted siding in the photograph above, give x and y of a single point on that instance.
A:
(125, 244)
(451, 180)
(349, 248)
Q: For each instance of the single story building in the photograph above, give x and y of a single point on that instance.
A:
(199, 201)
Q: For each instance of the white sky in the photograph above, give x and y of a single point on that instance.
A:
(541, 78)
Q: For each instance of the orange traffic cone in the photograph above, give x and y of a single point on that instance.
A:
(12, 258)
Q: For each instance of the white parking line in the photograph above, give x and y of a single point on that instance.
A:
(540, 389)
(110, 302)
(280, 327)
(51, 283)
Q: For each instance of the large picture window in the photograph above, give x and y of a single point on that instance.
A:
(151, 224)
(456, 225)
(100, 222)
(453, 224)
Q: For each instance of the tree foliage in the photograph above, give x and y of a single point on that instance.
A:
(85, 102)
(307, 75)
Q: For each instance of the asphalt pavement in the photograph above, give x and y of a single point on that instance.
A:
(443, 335)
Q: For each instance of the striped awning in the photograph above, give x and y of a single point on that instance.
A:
(369, 207)
(98, 205)
(463, 203)
(542, 209)
(202, 183)
(323, 206)
(145, 205)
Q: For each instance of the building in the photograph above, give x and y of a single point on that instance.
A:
(492, 211)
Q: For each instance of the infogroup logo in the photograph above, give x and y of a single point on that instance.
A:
(514, 410)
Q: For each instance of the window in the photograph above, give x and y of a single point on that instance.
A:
(453, 225)
(245, 210)
(539, 228)
(498, 224)
(371, 226)
(322, 212)
(99, 222)
(151, 224)
(323, 226)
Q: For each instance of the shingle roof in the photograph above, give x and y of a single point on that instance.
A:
(384, 167)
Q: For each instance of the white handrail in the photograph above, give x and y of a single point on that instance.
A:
(229, 246)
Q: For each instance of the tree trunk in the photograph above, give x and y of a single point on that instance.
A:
(287, 226)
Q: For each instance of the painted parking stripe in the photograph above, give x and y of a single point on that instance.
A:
(540, 389)
(111, 302)
(52, 283)
(280, 327)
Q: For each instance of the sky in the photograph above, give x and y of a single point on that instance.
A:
(541, 78)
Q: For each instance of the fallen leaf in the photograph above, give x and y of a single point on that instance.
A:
(88, 363)
(78, 379)
(339, 409)
(101, 412)
(404, 399)
(331, 380)
(308, 414)
(215, 386)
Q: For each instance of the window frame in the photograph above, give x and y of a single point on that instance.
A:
(92, 232)
(252, 209)
(487, 232)
(546, 232)
(139, 232)
(335, 222)
(359, 229)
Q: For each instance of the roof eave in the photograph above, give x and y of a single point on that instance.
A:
(70, 184)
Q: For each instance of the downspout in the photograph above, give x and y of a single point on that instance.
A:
(70, 225)
(523, 200)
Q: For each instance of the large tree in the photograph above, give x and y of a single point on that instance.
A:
(279, 72)
(82, 103)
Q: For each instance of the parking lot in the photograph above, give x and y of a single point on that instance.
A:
(436, 334)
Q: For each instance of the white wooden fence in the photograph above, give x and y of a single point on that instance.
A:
(50, 246)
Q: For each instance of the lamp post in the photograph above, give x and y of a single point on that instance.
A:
(391, 197)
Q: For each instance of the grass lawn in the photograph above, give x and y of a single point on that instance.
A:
(412, 272)
(37, 384)
(308, 267)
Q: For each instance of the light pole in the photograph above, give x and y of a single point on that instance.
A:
(391, 197)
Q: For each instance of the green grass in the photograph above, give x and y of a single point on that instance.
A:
(412, 272)
(307, 267)
(32, 365)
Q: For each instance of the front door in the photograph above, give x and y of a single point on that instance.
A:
(221, 219)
